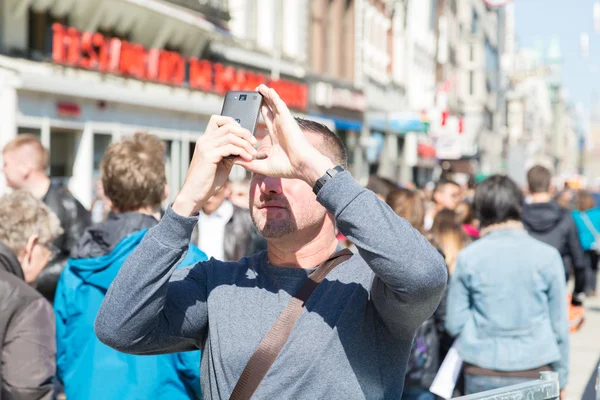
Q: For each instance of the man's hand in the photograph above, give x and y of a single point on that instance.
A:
(287, 153)
(209, 167)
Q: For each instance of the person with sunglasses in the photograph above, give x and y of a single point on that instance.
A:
(27, 343)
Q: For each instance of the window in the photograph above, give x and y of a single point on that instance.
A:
(491, 66)
(63, 149)
(39, 33)
(474, 23)
(111, 33)
(471, 83)
(433, 15)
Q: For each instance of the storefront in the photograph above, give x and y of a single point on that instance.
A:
(393, 132)
(90, 90)
(343, 107)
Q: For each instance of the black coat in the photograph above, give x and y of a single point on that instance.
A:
(554, 225)
(27, 341)
(74, 218)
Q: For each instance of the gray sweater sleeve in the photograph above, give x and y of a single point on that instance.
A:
(410, 274)
(150, 308)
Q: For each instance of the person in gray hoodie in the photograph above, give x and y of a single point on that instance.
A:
(27, 343)
(355, 332)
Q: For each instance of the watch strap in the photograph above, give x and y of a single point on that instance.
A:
(327, 177)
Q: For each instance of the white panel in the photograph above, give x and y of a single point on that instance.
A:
(291, 27)
(81, 182)
(266, 24)
(238, 24)
(14, 27)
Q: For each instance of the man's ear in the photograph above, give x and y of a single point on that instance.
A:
(27, 251)
(165, 192)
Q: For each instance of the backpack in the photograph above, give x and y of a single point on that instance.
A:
(424, 356)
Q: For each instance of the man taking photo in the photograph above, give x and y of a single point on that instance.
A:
(354, 333)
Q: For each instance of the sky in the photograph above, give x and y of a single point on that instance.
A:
(538, 21)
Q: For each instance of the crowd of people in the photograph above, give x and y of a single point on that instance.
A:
(136, 299)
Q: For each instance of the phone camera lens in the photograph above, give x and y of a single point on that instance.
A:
(243, 97)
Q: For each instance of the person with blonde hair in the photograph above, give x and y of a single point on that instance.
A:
(448, 234)
(26, 163)
(134, 180)
(27, 344)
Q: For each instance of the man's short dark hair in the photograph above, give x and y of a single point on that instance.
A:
(333, 147)
(498, 199)
(441, 184)
(538, 179)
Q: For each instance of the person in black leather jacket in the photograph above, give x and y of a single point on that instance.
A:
(547, 221)
(25, 166)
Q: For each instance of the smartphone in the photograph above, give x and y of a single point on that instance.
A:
(244, 107)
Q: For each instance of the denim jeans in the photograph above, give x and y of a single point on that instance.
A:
(476, 384)
(417, 393)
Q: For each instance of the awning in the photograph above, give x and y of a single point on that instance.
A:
(399, 123)
(180, 13)
(343, 123)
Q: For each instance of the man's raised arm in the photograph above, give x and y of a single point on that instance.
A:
(150, 308)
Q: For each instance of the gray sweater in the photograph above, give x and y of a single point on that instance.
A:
(352, 340)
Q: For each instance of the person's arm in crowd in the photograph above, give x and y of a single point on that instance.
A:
(578, 258)
(458, 309)
(78, 218)
(410, 274)
(557, 306)
(28, 354)
(150, 308)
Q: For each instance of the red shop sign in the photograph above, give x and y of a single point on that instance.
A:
(114, 56)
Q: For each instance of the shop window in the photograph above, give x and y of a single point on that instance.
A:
(63, 149)
(30, 131)
(40, 33)
(111, 33)
(101, 143)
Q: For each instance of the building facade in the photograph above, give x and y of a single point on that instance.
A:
(466, 123)
(82, 74)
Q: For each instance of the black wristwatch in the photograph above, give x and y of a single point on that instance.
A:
(327, 177)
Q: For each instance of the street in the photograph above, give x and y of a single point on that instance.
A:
(585, 354)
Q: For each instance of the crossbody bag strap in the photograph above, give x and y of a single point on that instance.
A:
(269, 348)
(588, 223)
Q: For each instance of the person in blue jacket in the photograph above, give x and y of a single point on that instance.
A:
(587, 220)
(133, 176)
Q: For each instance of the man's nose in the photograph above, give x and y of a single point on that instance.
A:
(271, 185)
